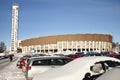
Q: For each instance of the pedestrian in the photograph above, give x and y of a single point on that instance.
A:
(11, 57)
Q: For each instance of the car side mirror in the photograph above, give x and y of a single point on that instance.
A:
(97, 68)
(87, 76)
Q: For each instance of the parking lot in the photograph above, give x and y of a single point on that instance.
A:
(59, 67)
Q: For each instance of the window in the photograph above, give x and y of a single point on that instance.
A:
(67, 60)
(57, 62)
(40, 62)
(112, 63)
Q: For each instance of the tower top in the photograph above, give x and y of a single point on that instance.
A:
(15, 4)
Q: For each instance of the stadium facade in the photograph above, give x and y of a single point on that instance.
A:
(71, 42)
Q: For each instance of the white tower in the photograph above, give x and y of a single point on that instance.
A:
(14, 35)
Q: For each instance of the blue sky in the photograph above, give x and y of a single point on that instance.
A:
(53, 17)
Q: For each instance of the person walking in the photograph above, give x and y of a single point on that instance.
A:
(11, 57)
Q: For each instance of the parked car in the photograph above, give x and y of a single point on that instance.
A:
(114, 55)
(113, 74)
(21, 61)
(35, 55)
(42, 64)
(74, 56)
(38, 54)
(94, 54)
(59, 54)
(80, 69)
(80, 53)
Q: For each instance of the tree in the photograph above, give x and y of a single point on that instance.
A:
(115, 44)
(2, 47)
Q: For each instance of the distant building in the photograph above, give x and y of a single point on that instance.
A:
(116, 49)
(71, 42)
(14, 34)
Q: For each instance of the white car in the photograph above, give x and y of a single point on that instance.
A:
(42, 64)
(112, 74)
(80, 69)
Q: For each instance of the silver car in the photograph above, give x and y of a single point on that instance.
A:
(42, 64)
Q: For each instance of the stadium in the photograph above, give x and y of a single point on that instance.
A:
(71, 42)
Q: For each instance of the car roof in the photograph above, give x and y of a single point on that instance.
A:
(47, 57)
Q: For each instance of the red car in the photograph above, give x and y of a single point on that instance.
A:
(21, 62)
(74, 56)
(114, 55)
